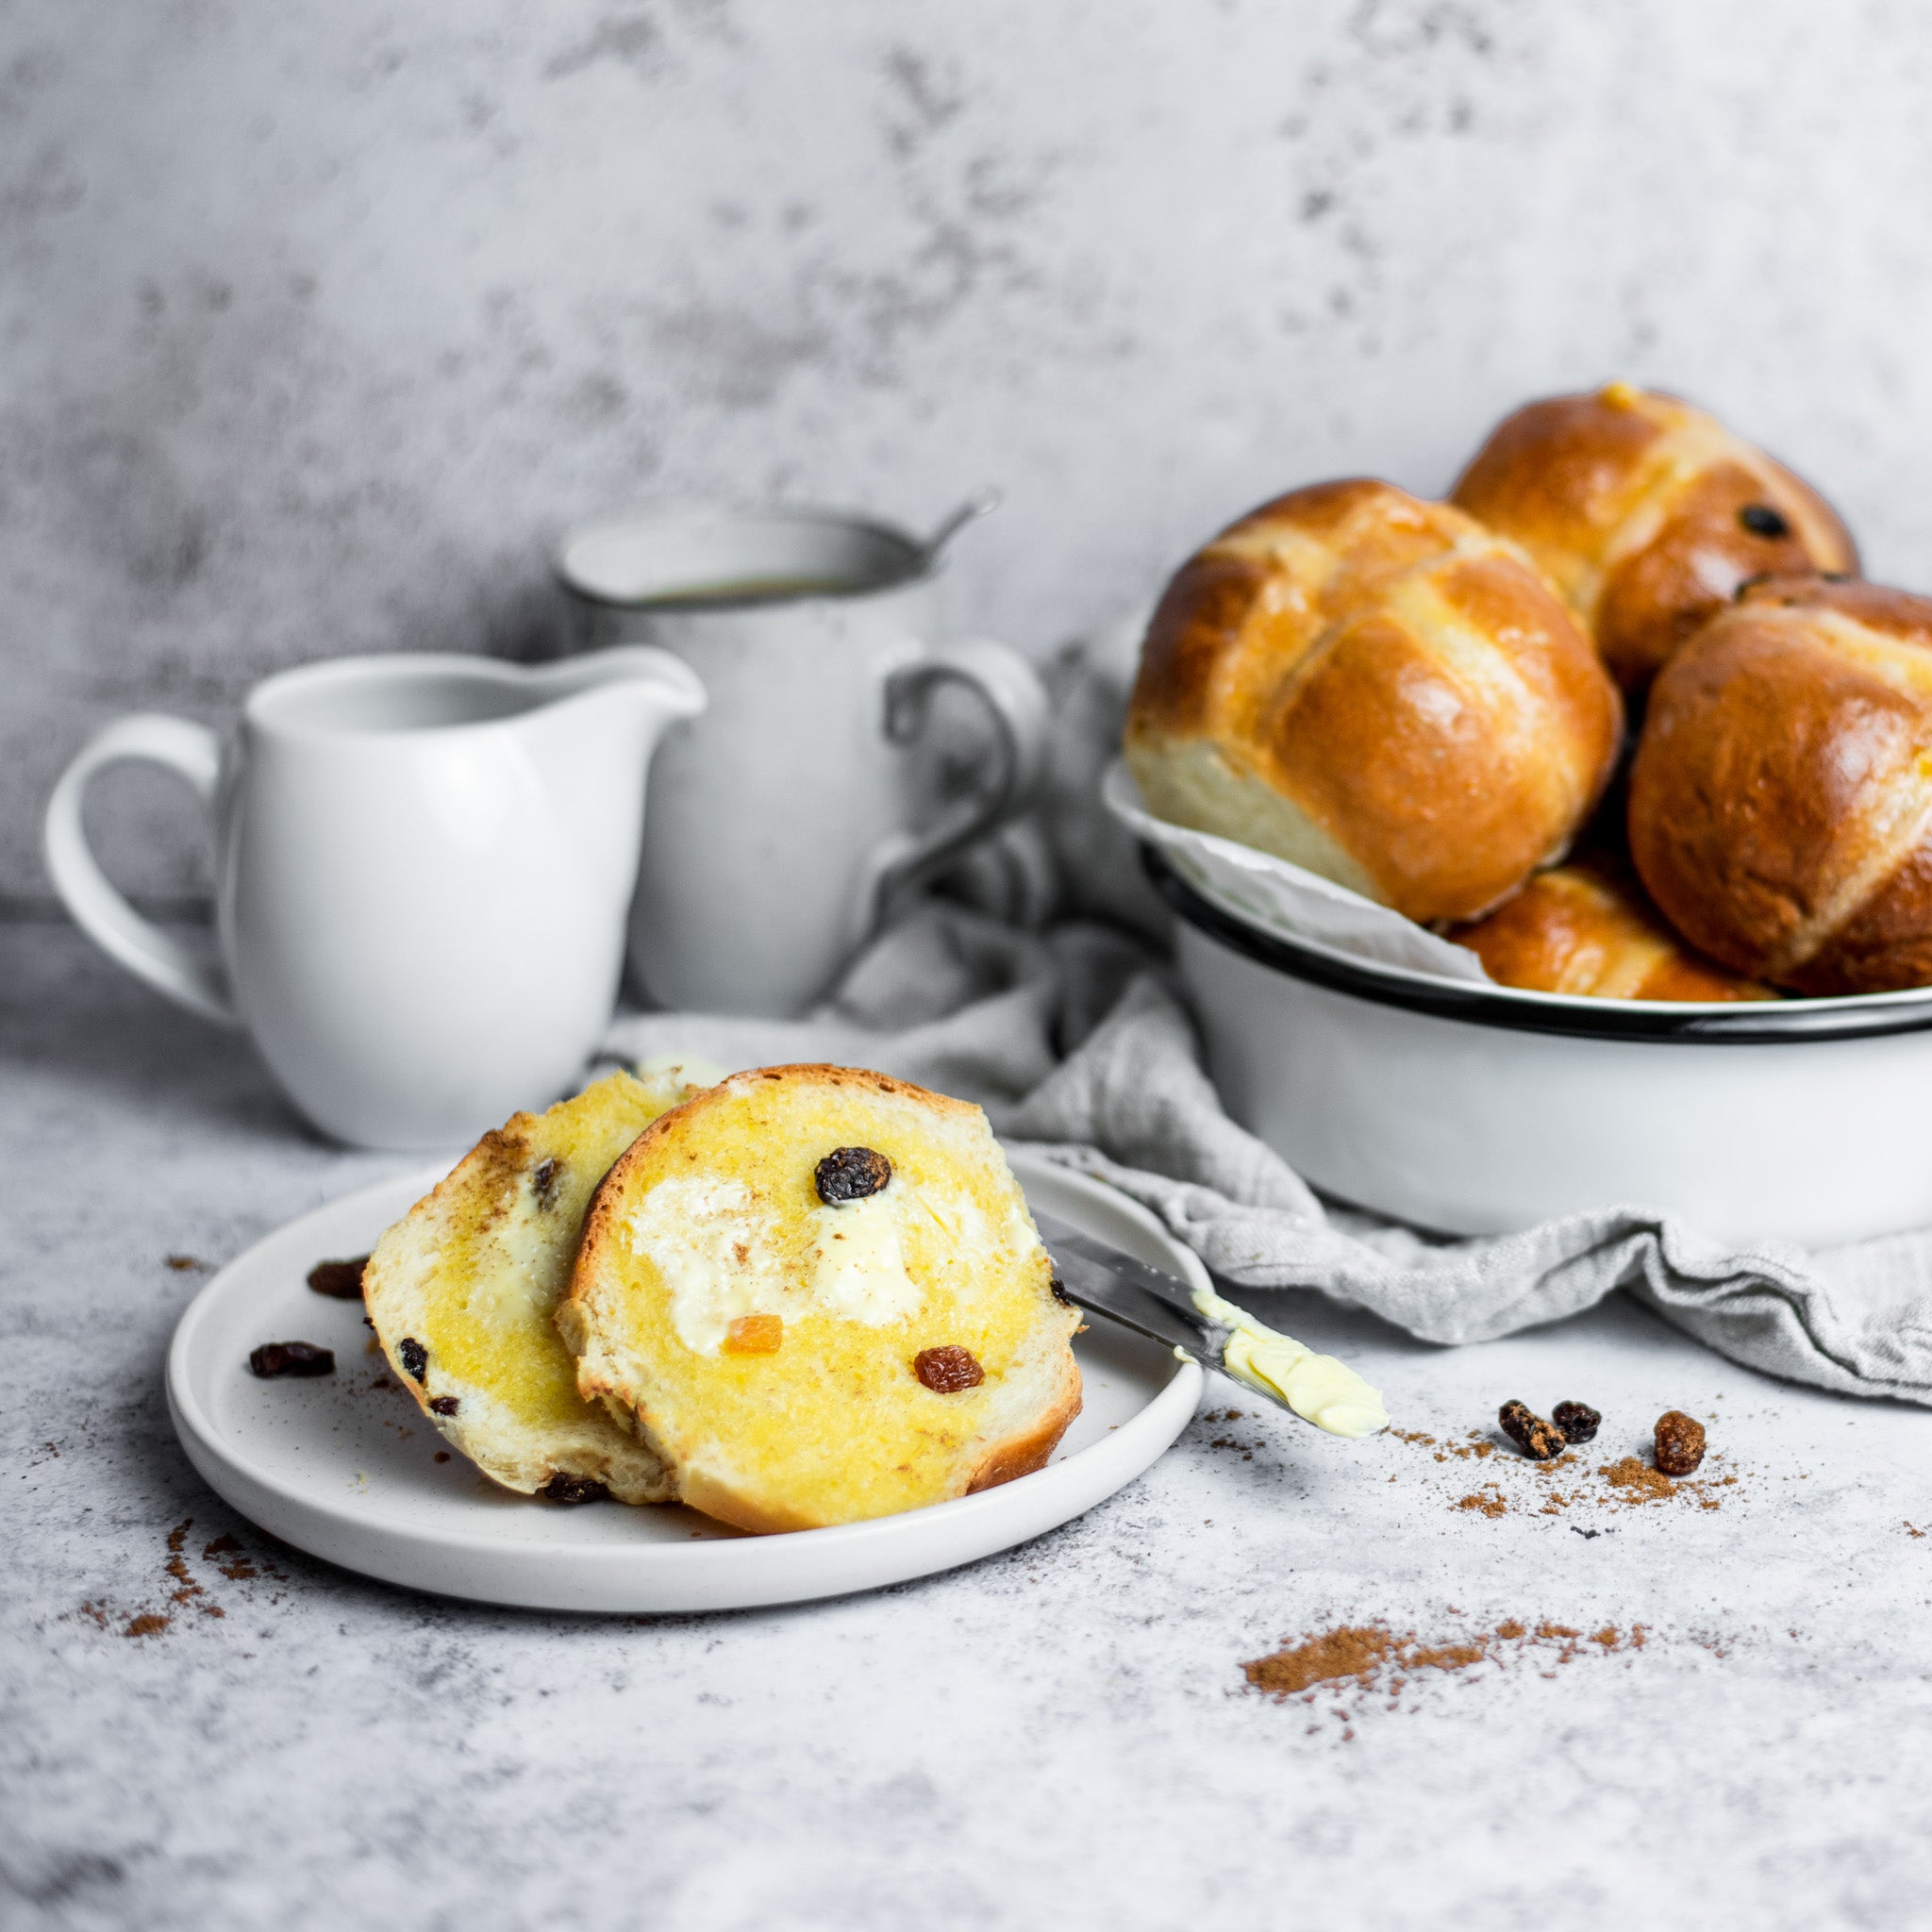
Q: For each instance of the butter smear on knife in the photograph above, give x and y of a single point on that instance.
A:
(1318, 1388)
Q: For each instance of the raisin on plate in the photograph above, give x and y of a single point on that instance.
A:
(292, 1359)
(340, 1281)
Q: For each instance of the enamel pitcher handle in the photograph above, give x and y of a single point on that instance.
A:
(1015, 703)
(190, 750)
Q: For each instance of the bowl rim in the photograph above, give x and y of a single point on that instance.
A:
(1516, 1009)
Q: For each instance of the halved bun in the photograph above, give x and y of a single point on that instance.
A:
(790, 1282)
(463, 1292)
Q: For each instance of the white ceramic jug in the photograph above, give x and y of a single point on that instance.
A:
(422, 866)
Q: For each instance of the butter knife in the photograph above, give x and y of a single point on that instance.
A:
(1203, 1326)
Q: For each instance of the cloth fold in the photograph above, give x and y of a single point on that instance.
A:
(1074, 1039)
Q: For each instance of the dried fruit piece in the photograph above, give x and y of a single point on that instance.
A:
(292, 1359)
(443, 1404)
(1059, 1290)
(850, 1173)
(755, 1335)
(1679, 1443)
(949, 1369)
(543, 1179)
(1578, 1422)
(573, 1488)
(1537, 1438)
(1763, 520)
(415, 1358)
(339, 1280)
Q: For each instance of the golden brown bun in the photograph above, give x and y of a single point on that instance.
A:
(1379, 690)
(1586, 928)
(1640, 511)
(1781, 795)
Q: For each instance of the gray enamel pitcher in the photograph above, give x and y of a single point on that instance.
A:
(783, 823)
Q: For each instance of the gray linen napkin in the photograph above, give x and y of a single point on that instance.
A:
(1072, 1036)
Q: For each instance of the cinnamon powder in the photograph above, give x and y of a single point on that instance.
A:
(1373, 1656)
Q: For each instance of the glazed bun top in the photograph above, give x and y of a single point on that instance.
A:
(1377, 689)
(1647, 514)
(1781, 794)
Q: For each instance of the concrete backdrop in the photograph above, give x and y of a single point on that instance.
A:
(317, 322)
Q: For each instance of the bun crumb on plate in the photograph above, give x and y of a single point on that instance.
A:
(462, 1293)
(821, 1295)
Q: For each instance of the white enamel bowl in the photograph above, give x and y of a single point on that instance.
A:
(344, 1466)
(1477, 1109)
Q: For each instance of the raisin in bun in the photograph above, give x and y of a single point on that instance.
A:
(1781, 794)
(1587, 929)
(463, 1290)
(1647, 515)
(820, 1297)
(1379, 690)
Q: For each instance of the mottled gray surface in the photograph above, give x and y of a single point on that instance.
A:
(317, 321)
(1058, 1737)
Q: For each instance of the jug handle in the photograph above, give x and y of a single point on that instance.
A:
(190, 750)
(1015, 702)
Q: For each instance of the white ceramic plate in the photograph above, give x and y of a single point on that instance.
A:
(344, 1466)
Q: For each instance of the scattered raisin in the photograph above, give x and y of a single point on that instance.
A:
(573, 1488)
(1578, 1422)
(1679, 1443)
(292, 1359)
(544, 1177)
(1536, 1438)
(1060, 1291)
(443, 1404)
(340, 1281)
(850, 1173)
(946, 1371)
(415, 1358)
(1761, 519)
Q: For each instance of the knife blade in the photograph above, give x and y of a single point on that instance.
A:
(1102, 1280)
(1106, 1282)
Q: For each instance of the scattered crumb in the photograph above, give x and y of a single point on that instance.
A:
(148, 1624)
(183, 1264)
(1910, 1531)
(1489, 1504)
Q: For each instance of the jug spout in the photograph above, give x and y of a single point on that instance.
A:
(648, 687)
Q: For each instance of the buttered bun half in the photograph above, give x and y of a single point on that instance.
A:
(1586, 928)
(1379, 690)
(816, 1293)
(1647, 514)
(1781, 794)
(462, 1293)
